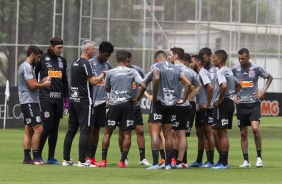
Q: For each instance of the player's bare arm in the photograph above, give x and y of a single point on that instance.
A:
(156, 83)
(223, 88)
(258, 95)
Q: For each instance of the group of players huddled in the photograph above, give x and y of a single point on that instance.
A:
(184, 88)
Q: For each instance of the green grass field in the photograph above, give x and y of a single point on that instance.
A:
(13, 171)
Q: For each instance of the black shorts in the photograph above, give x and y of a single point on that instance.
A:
(191, 117)
(51, 109)
(98, 118)
(138, 119)
(223, 114)
(181, 120)
(31, 114)
(247, 112)
(122, 115)
(161, 114)
(204, 118)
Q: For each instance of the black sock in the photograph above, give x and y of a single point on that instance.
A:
(185, 157)
(121, 153)
(168, 156)
(178, 162)
(162, 153)
(210, 156)
(104, 154)
(35, 153)
(246, 157)
(175, 154)
(200, 156)
(224, 158)
(142, 153)
(27, 154)
(259, 153)
(93, 151)
(155, 154)
(124, 155)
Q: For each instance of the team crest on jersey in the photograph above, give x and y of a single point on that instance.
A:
(251, 73)
(47, 58)
(46, 114)
(61, 64)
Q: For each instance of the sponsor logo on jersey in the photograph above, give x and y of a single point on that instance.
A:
(247, 84)
(47, 58)
(251, 73)
(55, 95)
(46, 114)
(55, 74)
(48, 65)
(120, 92)
(134, 85)
(74, 92)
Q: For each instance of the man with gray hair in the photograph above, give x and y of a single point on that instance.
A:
(80, 103)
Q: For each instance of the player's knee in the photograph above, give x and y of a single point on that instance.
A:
(256, 131)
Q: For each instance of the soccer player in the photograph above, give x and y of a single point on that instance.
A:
(206, 53)
(138, 120)
(80, 103)
(165, 77)
(248, 102)
(226, 87)
(204, 112)
(100, 98)
(119, 83)
(52, 100)
(181, 122)
(29, 102)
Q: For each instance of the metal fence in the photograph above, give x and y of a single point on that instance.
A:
(143, 27)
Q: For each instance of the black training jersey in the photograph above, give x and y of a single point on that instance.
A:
(80, 89)
(56, 68)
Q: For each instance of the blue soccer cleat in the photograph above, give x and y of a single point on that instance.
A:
(53, 161)
(196, 164)
(207, 164)
(220, 167)
(153, 167)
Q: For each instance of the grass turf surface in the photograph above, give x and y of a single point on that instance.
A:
(13, 171)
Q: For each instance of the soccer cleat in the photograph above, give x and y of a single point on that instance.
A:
(259, 162)
(245, 164)
(37, 161)
(168, 167)
(162, 166)
(68, 163)
(27, 161)
(121, 164)
(126, 162)
(185, 165)
(207, 164)
(84, 164)
(153, 167)
(53, 161)
(162, 162)
(41, 159)
(103, 163)
(220, 167)
(144, 162)
(196, 164)
(173, 162)
(179, 166)
(217, 163)
(92, 161)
